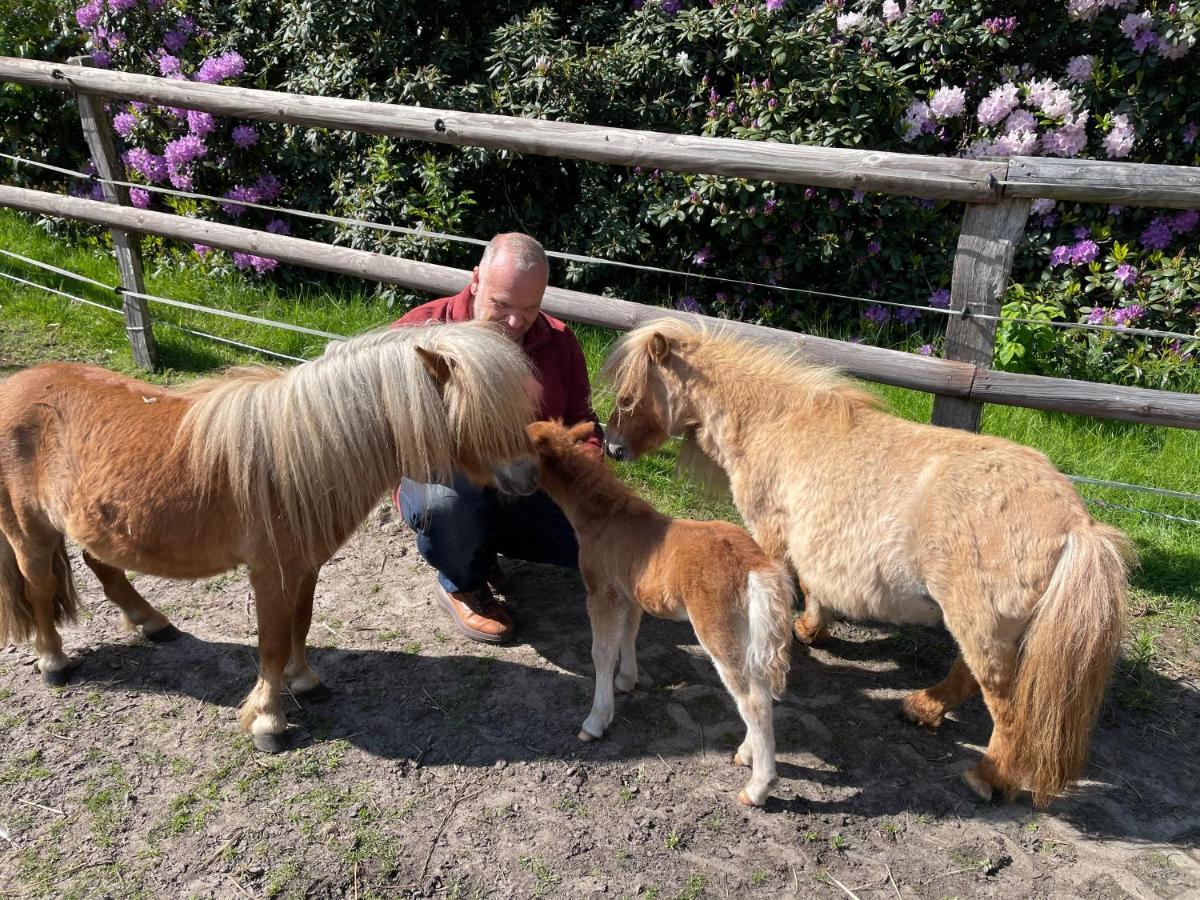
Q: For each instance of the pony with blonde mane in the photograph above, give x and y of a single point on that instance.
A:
(891, 520)
(265, 468)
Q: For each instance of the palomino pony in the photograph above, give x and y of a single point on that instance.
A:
(635, 559)
(896, 521)
(265, 468)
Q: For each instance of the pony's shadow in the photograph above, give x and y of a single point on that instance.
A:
(476, 710)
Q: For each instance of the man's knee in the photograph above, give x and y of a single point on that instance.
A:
(424, 506)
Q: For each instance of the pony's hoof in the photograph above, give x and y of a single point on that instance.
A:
(911, 713)
(270, 743)
(978, 786)
(318, 694)
(165, 635)
(624, 687)
(806, 635)
(738, 761)
(57, 678)
(585, 736)
(746, 800)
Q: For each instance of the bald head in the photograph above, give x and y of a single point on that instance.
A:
(508, 284)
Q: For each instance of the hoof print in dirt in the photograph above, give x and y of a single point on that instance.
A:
(165, 635)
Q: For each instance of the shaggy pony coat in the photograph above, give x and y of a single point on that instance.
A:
(634, 559)
(891, 520)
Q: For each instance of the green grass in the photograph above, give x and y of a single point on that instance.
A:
(35, 326)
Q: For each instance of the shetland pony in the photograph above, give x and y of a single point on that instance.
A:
(634, 559)
(896, 521)
(265, 468)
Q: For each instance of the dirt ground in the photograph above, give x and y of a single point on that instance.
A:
(441, 767)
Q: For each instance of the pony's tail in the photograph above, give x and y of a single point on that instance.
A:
(17, 622)
(1066, 658)
(770, 597)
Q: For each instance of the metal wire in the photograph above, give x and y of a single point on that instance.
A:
(1104, 504)
(71, 297)
(66, 273)
(1140, 488)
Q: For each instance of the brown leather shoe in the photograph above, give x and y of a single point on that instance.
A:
(477, 614)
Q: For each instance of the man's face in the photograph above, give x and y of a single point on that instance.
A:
(506, 296)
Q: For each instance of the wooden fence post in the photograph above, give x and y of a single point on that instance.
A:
(99, 136)
(982, 264)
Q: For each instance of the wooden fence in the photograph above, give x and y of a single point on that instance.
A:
(997, 194)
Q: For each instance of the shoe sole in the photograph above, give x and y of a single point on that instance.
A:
(482, 636)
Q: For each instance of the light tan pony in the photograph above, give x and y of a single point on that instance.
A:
(896, 521)
(634, 559)
(262, 467)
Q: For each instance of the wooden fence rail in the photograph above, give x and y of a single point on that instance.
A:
(997, 194)
(942, 377)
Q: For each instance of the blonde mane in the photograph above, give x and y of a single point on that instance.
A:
(315, 447)
(723, 357)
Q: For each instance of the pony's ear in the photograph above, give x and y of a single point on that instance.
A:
(660, 347)
(581, 432)
(438, 366)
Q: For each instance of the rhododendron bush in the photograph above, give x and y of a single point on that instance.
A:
(1098, 79)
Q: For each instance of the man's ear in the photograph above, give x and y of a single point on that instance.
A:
(660, 347)
(438, 366)
(582, 432)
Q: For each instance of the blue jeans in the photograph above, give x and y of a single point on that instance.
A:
(461, 528)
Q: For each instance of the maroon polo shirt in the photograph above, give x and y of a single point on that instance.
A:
(550, 345)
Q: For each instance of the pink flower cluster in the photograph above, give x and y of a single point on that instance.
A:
(216, 69)
(1000, 25)
(1119, 140)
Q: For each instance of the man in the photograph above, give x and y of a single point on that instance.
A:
(461, 528)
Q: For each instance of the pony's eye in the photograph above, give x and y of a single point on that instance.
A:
(624, 401)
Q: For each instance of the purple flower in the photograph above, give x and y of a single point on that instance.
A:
(239, 192)
(151, 167)
(168, 66)
(244, 136)
(1185, 221)
(121, 5)
(751, 212)
(1060, 255)
(97, 192)
(175, 41)
(102, 59)
(268, 188)
(89, 14)
(935, 19)
(124, 123)
(1190, 133)
(940, 298)
(1157, 234)
(873, 248)
(774, 5)
(880, 315)
(184, 150)
(948, 102)
(202, 250)
(1084, 252)
(907, 316)
(926, 350)
(810, 193)
(139, 197)
(1145, 41)
(670, 7)
(1097, 315)
(1115, 209)
(769, 206)
(1081, 232)
(259, 264)
(702, 257)
(278, 226)
(1079, 69)
(200, 123)
(688, 303)
(834, 203)
(181, 179)
(1128, 315)
(1125, 274)
(216, 69)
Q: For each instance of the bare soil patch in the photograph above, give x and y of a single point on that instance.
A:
(442, 767)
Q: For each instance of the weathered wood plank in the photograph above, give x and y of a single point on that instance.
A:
(872, 363)
(98, 132)
(982, 263)
(1099, 181)
(934, 177)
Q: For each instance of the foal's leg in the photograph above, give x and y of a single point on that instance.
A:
(300, 678)
(608, 614)
(35, 551)
(927, 707)
(627, 677)
(138, 613)
(261, 713)
(752, 695)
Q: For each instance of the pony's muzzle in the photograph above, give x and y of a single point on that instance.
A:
(519, 476)
(616, 449)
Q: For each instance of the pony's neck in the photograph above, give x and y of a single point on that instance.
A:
(588, 492)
